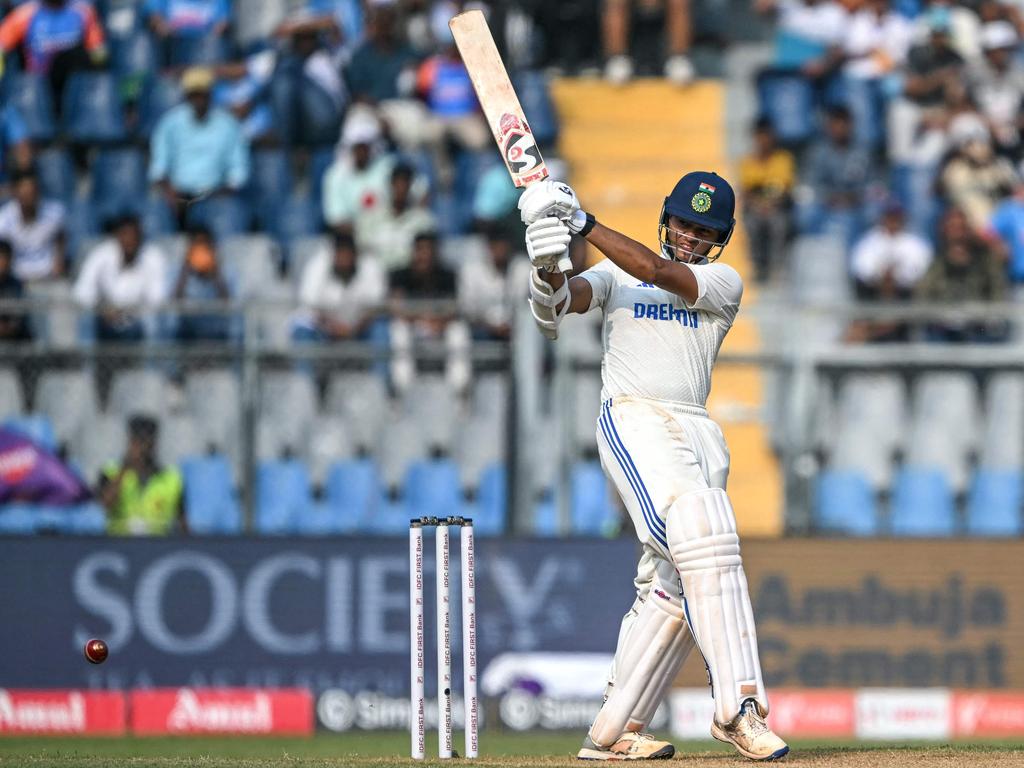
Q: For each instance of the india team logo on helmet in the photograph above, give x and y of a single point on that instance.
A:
(703, 198)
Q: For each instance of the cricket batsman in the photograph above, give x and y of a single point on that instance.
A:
(665, 317)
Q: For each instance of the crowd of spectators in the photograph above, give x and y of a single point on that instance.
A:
(894, 126)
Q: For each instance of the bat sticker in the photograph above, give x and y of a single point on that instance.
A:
(521, 151)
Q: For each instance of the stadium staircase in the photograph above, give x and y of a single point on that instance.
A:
(626, 147)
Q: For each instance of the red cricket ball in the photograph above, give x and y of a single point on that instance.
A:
(96, 651)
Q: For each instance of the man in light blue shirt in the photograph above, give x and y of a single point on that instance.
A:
(197, 149)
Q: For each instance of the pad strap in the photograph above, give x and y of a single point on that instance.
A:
(543, 302)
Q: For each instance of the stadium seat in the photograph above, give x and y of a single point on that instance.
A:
(1002, 444)
(994, 503)
(93, 113)
(361, 399)
(593, 513)
(197, 50)
(845, 503)
(270, 179)
(545, 516)
(213, 397)
(535, 95)
(118, 180)
(390, 519)
(133, 54)
(319, 162)
(319, 519)
(863, 97)
(18, 519)
(329, 441)
(86, 519)
(156, 217)
(353, 492)
(431, 402)
(922, 504)
(56, 174)
(210, 500)
(282, 494)
(160, 95)
(69, 399)
(292, 218)
(301, 250)
(12, 401)
(254, 259)
(288, 400)
(913, 186)
(81, 225)
(30, 94)
(399, 445)
(223, 215)
(432, 489)
(36, 427)
(480, 445)
(137, 390)
(787, 98)
(178, 439)
(101, 441)
(945, 425)
(490, 515)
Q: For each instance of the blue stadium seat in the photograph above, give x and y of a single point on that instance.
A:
(93, 113)
(270, 180)
(432, 488)
(80, 224)
(863, 98)
(787, 98)
(133, 54)
(353, 491)
(545, 516)
(223, 215)
(56, 174)
(914, 187)
(922, 504)
(297, 216)
(118, 180)
(994, 504)
(492, 501)
(318, 519)
(210, 501)
(18, 519)
(535, 96)
(792, 51)
(36, 427)
(158, 96)
(282, 494)
(846, 503)
(452, 220)
(318, 164)
(197, 50)
(32, 97)
(391, 518)
(593, 513)
(87, 519)
(469, 169)
(156, 216)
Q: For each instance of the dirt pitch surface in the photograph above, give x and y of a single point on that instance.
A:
(384, 750)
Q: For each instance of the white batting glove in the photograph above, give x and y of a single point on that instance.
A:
(547, 198)
(547, 241)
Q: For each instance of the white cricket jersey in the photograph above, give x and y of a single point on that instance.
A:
(655, 344)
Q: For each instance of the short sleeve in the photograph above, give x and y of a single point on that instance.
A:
(719, 289)
(601, 277)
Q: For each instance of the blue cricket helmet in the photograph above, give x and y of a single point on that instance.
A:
(703, 198)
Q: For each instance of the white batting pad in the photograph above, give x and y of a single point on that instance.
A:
(702, 539)
(656, 639)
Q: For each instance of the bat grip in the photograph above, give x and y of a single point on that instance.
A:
(565, 265)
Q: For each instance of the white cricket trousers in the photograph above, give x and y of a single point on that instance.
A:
(655, 451)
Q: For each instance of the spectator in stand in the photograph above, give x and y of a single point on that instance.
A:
(767, 178)
(876, 41)
(887, 264)
(35, 228)
(454, 119)
(839, 175)
(340, 21)
(382, 73)
(56, 38)
(341, 293)
(241, 89)
(962, 20)
(429, 286)
(13, 323)
(490, 289)
(15, 149)
(387, 231)
(678, 37)
(965, 269)
(808, 33)
(141, 497)
(1006, 232)
(172, 21)
(976, 179)
(197, 149)
(997, 82)
(202, 279)
(356, 184)
(123, 281)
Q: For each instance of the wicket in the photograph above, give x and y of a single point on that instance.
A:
(417, 717)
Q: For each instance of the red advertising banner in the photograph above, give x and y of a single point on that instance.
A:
(988, 715)
(65, 712)
(827, 713)
(222, 710)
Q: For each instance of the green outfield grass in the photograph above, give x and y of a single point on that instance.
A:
(380, 750)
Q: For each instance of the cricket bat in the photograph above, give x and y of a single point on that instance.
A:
(500, 104)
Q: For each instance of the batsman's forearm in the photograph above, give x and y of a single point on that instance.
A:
(633, 257)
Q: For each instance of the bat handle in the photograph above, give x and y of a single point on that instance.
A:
(565, 265)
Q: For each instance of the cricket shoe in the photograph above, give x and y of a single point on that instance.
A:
(749, 733)
(630, 746)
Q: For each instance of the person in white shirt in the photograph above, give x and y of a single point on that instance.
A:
(890, 257)
(340, 292)
(665, 316)
(490, 288)
(35, 228)
(124, 281)
(356, 183)
(387, 231)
